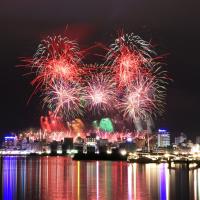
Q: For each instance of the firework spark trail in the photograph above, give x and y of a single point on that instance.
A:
(134, 44)
(57, 58)
(138, 73)
(131, 78)
(126, 67)
(128, 56)
(64, 99)
(100, 93)
(140, 97)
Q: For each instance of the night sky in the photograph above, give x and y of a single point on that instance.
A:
(173, 26)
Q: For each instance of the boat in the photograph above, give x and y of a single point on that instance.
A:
(143, 158)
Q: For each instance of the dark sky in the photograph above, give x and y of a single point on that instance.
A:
(174, 26)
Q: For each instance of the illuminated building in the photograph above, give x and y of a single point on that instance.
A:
(130, 145)
(23, 144)
(163, 138)
(91, 144)
(10, 142)
(189, 144)
(180, 139)
(198, 140)
(91, 140)
(103, 142)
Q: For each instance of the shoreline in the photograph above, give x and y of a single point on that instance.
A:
(106, 157)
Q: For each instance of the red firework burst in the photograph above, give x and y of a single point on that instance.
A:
(126, 66)
(128, 56)
(57, 58)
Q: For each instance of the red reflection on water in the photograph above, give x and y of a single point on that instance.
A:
(59, 178)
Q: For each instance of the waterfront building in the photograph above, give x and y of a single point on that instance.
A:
(54, 146)
(180, 139)
(67, 144)
(189, 144)
(195, 148)
(91, 140)
(103, 142)
(79, 140)
(10, 142)
(24, 144)
(163, 138)
(197, 139)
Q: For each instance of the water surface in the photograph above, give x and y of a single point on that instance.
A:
(59, 178)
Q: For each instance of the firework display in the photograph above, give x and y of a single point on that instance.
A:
(52, 123)
(132, 83)
(64, 98)
(139, 78)
(128, 55)
(99, 93)
(56, 58)
(140, 98)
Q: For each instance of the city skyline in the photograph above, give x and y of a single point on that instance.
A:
(99, 99)
(20, 38)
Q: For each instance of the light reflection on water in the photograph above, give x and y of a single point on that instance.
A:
(62, 178)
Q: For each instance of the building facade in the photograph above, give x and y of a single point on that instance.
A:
(163, 138)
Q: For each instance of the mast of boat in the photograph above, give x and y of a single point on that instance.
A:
(148, 147)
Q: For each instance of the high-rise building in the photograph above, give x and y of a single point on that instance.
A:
(54, 146)
(197, 139)
(67, 144)
(163, 138)
(91, 140)
(10, 142)
(180, 139)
